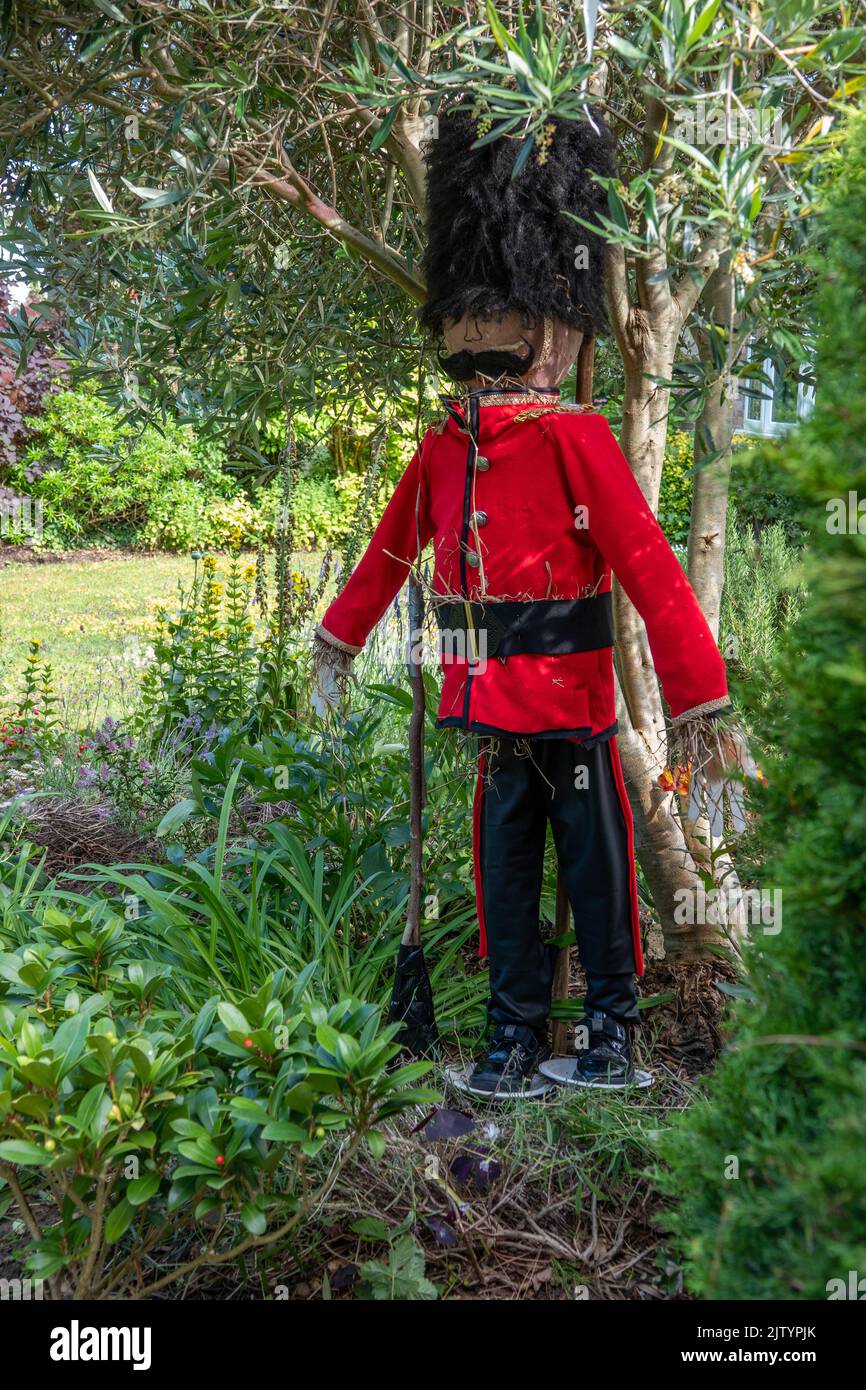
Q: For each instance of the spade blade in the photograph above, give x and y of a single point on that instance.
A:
(412, 1002)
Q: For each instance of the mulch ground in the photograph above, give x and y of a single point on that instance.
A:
(24, 555)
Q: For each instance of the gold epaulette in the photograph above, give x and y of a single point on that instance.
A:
(559, 408)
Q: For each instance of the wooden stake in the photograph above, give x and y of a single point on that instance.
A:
(562, 973)
(417, 789)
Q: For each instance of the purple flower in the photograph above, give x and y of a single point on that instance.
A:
(442, 1230)
(476, 1166)
(446, 1124)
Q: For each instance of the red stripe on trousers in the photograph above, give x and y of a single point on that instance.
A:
(619, 780)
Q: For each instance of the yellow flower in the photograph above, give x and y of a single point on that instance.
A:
(249, 574)
(209, 564)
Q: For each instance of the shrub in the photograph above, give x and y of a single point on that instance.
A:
(767, 1170)
(178, 518)
(30, 729)
(135, 1126)
(139, 776)
(762, 598)
(323, 509)
(759, 492)
(232, 523)
(98, 475)
(675, 493)
(213, 660)
(761, 489)
(204, 660)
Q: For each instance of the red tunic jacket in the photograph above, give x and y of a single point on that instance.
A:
(534, 501)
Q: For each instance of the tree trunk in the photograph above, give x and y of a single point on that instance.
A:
(714, 430)
(713, 434)
(660, 843)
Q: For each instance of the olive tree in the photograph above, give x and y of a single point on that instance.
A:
(228, 200)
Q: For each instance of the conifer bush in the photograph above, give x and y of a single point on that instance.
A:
(767, 1170)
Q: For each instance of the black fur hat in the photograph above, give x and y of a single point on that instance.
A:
(497, 243)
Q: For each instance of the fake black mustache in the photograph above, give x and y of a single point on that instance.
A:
(463, 366)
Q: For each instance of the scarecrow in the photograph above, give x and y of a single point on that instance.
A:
(531, 507)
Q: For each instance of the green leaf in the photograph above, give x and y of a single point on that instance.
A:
(627, 50)
(328, 1038)
(204, 1019)
(140, 1190)
(176, 815)
(498, 30)
(120, 1218)
(92, 1112)
(249, 1111)
(370, 1228)
(99, 192)
(385, 128)
(69, 1041)
(231, 1018)
(22, 1151)
(223, 828)
(112, 11)
(703, 22)
(284, 1131)
(255, 1220)
(376, 1142)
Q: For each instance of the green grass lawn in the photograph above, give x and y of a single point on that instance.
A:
(95, 619)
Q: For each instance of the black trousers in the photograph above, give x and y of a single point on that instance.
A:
(524, 785)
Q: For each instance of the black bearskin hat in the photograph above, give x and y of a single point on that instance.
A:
(497, 243)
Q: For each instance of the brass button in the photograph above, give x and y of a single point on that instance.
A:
(472, 559)
(482, 464)
(480, 518)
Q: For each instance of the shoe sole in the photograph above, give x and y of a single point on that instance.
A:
(534, 1089)
(563, 1072)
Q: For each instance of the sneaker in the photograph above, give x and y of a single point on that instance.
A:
(510, 1063)
(605, 1061)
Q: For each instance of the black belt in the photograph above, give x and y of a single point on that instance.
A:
(543, 627)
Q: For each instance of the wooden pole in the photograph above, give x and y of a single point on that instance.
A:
(417, 789)
(585, 364)
(562, 972)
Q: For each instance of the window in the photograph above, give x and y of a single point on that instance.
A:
(776, 410)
